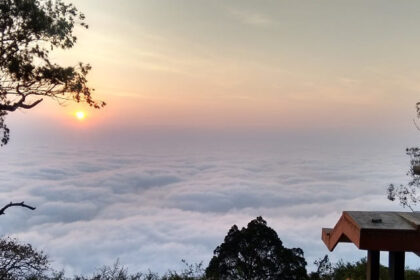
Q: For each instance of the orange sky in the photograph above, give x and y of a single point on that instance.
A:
(284, 64)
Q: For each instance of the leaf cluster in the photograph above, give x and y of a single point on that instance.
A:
(406, 194)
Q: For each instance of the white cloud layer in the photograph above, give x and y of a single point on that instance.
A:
(152, 209)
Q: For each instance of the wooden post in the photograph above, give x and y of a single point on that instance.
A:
(372, 269)
(396, 265)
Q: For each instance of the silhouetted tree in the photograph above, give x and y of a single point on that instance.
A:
(354, 271)
(407, 193)
(256, 253)
(114, 272)
(190, 272)
(324, 270)
(119, 272)
(29, 30)
(21, 261)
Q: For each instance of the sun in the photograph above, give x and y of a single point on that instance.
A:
(80, 115)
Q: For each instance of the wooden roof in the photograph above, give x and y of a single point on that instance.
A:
(382, 231)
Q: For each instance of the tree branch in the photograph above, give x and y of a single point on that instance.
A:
(20, 104)
(11, 204)
(30, 106)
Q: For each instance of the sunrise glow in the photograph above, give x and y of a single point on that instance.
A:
(80, 115)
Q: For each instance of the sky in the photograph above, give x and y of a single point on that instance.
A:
(283, 65)
(218, 111)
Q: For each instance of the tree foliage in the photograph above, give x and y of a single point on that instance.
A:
(29, 31)
(21, 261)
(119, 272)
(354, 271)
(255, 253)
(406, 194)
(324, 270)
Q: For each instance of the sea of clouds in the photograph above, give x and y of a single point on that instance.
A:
(152, 207)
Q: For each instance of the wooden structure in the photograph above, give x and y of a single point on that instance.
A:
(396, 232)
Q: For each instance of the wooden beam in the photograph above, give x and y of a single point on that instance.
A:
(396, 265)
(372, 270)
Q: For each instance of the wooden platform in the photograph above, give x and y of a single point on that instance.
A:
(396, 232)
(380, 231)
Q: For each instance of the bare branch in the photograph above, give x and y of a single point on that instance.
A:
(11, 204)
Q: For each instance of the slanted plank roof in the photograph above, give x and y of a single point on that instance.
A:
(382, 231)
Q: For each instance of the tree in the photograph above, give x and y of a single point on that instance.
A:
(324, 270)
(119, 272)
(21, 261)
(190, 272)
(255, 253)
(407, 194)
(29, 30)
(114, 272)
(354, 271)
